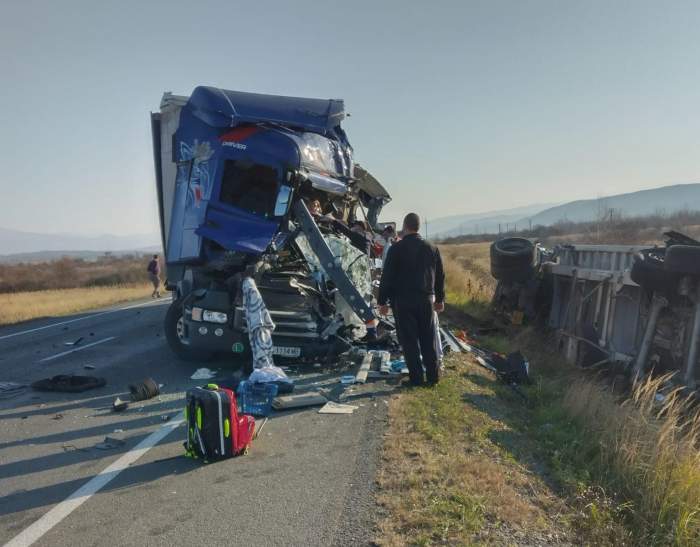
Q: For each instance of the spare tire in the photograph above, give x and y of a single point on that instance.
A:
(683, 259)
(650, 273)
(512, 259)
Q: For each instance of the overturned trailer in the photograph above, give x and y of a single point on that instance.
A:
(235, 173)
(630, 306)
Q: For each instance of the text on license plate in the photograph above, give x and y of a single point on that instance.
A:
(286, 351)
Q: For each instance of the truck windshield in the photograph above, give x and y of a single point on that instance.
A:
(249, 186)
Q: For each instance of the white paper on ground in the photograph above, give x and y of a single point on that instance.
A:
(203, 374)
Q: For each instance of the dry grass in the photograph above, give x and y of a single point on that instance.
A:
(469, 285)
(648, 453)
(449, 475)
(71, 273)
(21, 306)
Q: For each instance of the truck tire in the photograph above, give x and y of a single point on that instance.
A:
(683, 259)
(174, 331)
(512, 259)
(650, 273)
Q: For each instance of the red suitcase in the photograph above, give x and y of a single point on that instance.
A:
(215, 430)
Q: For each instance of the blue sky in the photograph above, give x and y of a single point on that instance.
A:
(456, 106)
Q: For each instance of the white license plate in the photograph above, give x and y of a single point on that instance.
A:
(286, 351)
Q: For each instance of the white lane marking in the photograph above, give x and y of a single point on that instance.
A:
(35, 531)
(141, 305)
(86, 346)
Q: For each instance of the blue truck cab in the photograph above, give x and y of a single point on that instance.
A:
(235, 174)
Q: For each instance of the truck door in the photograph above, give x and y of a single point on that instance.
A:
(246, 206)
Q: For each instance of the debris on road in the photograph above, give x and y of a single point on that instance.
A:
(143, 390)
(89, 367)
(57, 417)
(110, 443)
(274, 375)
(257, 432)
(337, 408)
(74, 343)
(299, 400)
(203, 374)
(10, 389)
(118, 405)
(69, 384)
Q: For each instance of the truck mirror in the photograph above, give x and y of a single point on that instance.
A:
(283, 198)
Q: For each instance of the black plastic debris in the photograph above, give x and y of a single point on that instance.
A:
(145, 389)
(74, 342)
(69, 384)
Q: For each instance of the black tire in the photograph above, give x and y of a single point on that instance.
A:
(650, 273)
(683, 260)
(512, 259)
(174, 332)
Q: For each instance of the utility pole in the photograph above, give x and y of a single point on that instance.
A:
(425, 221)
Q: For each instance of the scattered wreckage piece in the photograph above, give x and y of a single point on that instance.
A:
(69, 383)
(337, 408)
(299, 400)
(364, 368)
(11, 389)
(119, 406)
(110, 443)
(143, 390)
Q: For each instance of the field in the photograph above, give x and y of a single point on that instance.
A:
(70, 273)
(22, 306)
(571, 459)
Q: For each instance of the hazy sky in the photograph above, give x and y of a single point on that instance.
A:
(456, 106)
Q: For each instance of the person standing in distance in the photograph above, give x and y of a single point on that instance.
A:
(413, 282)
(154, 275)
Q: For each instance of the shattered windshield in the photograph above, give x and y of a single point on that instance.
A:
(354, 262)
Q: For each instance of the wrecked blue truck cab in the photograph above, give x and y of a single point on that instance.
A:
(235, 173)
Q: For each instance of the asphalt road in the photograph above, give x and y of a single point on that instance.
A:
(308, 479)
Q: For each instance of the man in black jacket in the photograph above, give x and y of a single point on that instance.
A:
(413, 281)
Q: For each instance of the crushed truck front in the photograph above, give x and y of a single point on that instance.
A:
(235, 173)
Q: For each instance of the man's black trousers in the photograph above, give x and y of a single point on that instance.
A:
(416, 330)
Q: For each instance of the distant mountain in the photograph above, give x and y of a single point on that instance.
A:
(667, 199)
(14, 242)
(487, 221)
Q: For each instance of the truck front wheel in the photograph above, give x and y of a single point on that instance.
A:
(175, 335)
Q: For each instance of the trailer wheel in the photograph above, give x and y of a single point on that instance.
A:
(175, 335)
(512, 259)
(683, 259)
(650, 273)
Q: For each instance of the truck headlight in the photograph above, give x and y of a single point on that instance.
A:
(214, 316)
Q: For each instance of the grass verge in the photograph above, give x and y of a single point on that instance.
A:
(22, 306)
(458, 468)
